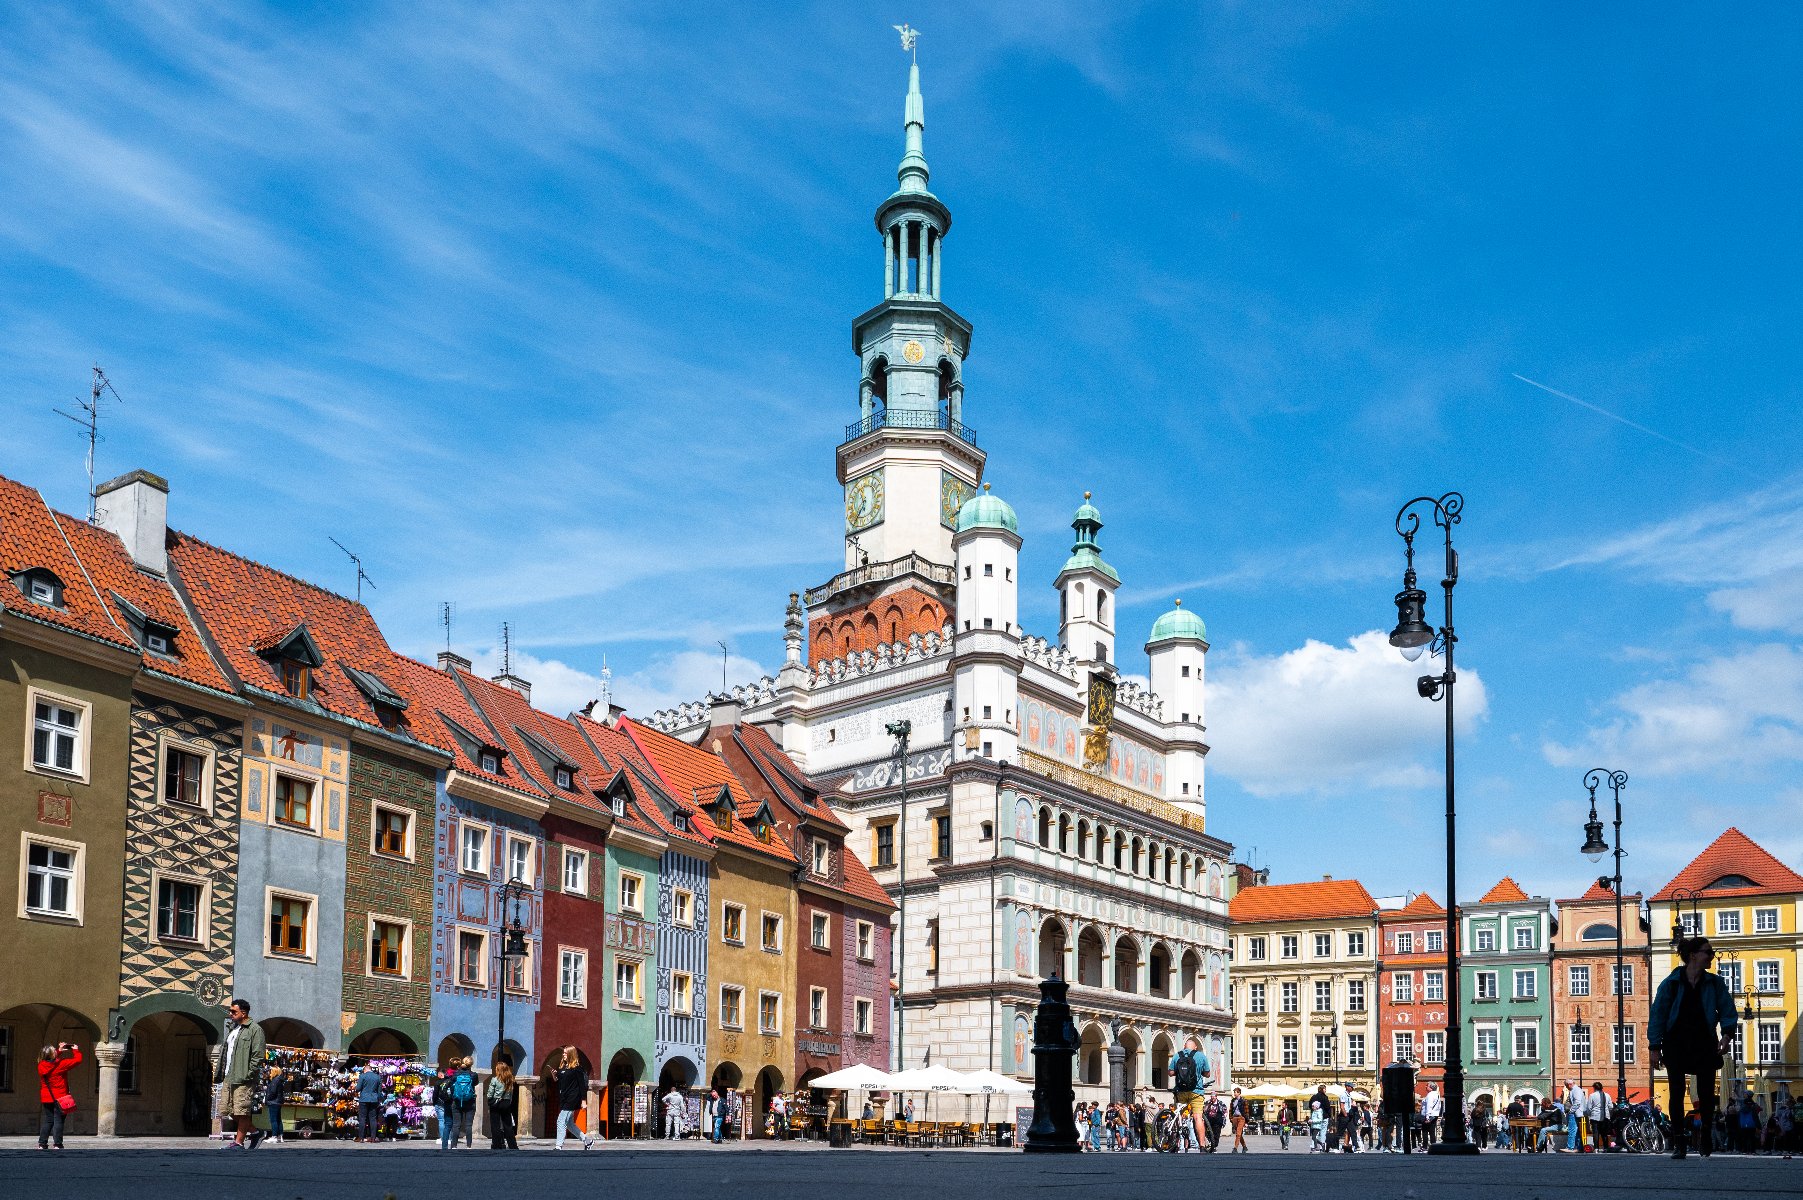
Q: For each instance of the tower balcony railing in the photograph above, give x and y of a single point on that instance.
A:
(910, 418)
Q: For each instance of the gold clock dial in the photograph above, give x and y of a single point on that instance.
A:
(913, 352)
(864, 501)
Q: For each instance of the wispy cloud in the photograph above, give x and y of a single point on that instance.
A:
(1617, 417)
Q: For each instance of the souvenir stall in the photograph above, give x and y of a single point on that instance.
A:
(322, 1093)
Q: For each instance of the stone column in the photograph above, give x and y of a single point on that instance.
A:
(888, 262)
(523, 1115)
(479, 1118)
(938, 253)
(1117, 1070)
(108, 1056)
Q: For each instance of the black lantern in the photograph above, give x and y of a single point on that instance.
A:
(515, 946)
(1594, 845)
(1412, 634)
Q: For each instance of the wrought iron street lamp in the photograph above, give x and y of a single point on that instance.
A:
(1679, 897)
(1594, 848)
(512, 940)
(899, 730)
(1413, 636)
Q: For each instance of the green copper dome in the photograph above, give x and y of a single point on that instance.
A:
(1177, 625)
(983, 511)
(1086, 554)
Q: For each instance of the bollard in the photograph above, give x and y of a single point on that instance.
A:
(1055, 1042)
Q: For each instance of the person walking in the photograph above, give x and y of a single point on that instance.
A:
(1691, 1026)
(1236, 1115)
(1319, 1112)
(1433, 1105)
(369, 1102)
(275, 1094)
(442, 1101)
(503, 1107)
(1596, 1111)
(572, 1094)
(716, 1115)
(54, 1101)
(463, 1103)
(673, 1106)
(240, 1066)
(1573, 1100)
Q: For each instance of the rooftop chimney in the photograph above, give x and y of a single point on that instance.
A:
(135, 507)
(508, 679)
(722, 709)
(450, 660)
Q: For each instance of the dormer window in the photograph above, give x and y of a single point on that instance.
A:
(763, 832)
(294, 656)
(40, 585)
(564, 779)
(297, 678)
(681, 821)
(490, 762)
(619, 805)
(157, 643)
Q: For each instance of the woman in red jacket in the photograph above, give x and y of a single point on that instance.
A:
(54, 1065)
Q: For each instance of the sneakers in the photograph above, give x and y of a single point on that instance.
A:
(234, 1145)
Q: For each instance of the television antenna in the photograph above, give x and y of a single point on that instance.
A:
(89, 420)
(506, 648)
(722, 646)
(447, 610)
(362, 575)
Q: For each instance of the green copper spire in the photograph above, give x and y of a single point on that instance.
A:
(1087, 552)
(913, 172)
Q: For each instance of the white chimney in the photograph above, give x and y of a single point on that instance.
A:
(508, 679)
(135, 507)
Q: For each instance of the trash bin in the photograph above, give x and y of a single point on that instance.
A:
(1399, 1101)
(838, 1134)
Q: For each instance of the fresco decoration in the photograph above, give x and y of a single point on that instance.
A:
(1045, 730)
(1023, 1041)
(1023, 942)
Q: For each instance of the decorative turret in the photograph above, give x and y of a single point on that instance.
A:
(1088, 584)
(985, 686)
(1177, 649)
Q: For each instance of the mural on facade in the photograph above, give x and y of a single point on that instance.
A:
(1045, 730)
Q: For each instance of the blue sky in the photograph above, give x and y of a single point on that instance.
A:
(546, 311)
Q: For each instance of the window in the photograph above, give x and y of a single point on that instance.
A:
(1288, 946)
(682, 907)
(1765, 975)
(682, 992)
(632, 892)
(1255, 949)
(387, 947)
(1527, 1043)
(472, 958)
(52, 878)
(932, 940)
(489, 761)
(1625, 1043)
(178, 910)
(820, 931)
(1255, 997)
(575, 871)
(519, 859)
(1731, 975)
(564, 779)
(8, 1055)
(474, 855)
(1433, 1046)
(1324, 945)
(822, 855)
(297, 678)
(732, 923)
(1580, 1045)
(393, 831)
(1355, 995)
(629, 981)
(1323, 995)
(184, 777)
(770, 1013)
(1291, 1056)
(732, 1007)
(1355, 944)
(861, 1010)
(884, 851)
(1484, 937)
(1765, 920)
(1402, 987)
(1691, 923)
(1727, 920)
(1486, 985)
(1323, 1050)
(817, 1008)
(294, 802)
(942, 837)
(572, 977)
(128, 1068)
(56, 737)
(1405, 943)
(1355, 1049)
(1624, 980)
(290, 919)
(1256, 1049)
(1524, 937)
(1287, 998)
(1436, 941)
(1433, 986)
(866, 941)
(1485, 1039)
(1577, 980)
(1737, 1049)
(1402, 1046)
(1771, 1042)
(772, 935)
(1526, 984)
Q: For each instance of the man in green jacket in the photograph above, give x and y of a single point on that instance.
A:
(240, 1069)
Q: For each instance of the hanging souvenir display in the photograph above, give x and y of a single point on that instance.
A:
(323, 1086)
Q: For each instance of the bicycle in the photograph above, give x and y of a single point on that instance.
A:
(1640, 1133)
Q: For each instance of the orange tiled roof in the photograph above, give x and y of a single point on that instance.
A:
(1734, 853)
(1506, 891)
(1302, 901)
(31, 536)
(593, 773)
(697, 776)
(620, 752)
(438, 704)
(1421, 906)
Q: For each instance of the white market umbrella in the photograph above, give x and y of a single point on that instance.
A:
(991, 1082)
(854, 1078)
(929, 1079)
(1268, 1091)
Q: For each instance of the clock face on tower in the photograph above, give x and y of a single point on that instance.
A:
(864, 501)
(953, 492)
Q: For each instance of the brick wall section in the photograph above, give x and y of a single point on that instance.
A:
(888, 618)
(376, 883)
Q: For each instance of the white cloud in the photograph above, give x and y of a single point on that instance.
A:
(669, 679)
(1773, 604)
(1326, 719)
(1741, 711)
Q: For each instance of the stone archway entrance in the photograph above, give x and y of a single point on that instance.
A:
(166, 1076)
(30, 1027)
(769, 1083)
(624, 1070)
(384, 1042)
(678, 1075)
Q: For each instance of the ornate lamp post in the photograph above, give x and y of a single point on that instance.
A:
(512, 939)
(899, 730)
(1334, 1034)
(1594, 848)
(1412, 636)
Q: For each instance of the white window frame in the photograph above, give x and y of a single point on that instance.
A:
(484, 757)
(1577, 980)
(1402, 1045)
(1481, 934)
(1528, 976)
(726, 906)
(205, 751)
(1289, 997)
(636, 1001)
(1289, 946)
(1433, 1046)
(1355, 1049)
(482, 959)
(1618, 978)
(863, 1015)
(637, 905)
(1255, 949)
(1760, 973)
(1255, 1050)
(270, 895)
(564, 778)
(1434, 941)
(1323, 995)
(527, 973)
(465, 828)
(376, 809)
(1765, 920)
(1355, 995)
(682, 993)
(1405, 942)
(1478, 989)
(1323, 1050)
(1324, 945)
(775, 1028)
(1355, 943)
(369, 971)
(1580, 1044)
(530, 875)
(727, 1021)
(1632, 1041)
(1290, 1048)
(1516, 1030)
(821, 856)
(1433, 987)
(576, 858)
(817, 1001)
(1255, 998)
(1402, 987)
(572, 976)
(78, 879)
(1690, 924)
(1524, 936)
(84, 724)
(1775, 1044)
(203, 915)
(682, 907)
(1477, 1042)
(866, 946)
(820, 931)
(1723, 924)
(764, 918)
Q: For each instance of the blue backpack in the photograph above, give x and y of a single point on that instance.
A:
(463, 1088)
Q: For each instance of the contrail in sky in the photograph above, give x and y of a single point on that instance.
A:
(1616, 417)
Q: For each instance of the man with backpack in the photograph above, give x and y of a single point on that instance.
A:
(1190, 1073)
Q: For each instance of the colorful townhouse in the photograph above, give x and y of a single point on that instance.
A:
(1304, 957)
(1588, 1042)
(1411, 989)
(1505, 1000)
(1748, 903)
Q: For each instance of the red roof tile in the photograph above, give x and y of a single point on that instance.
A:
(1422, 905)
(1734, 854)
(1302, 901)
(620, 752)
(698, 776)
(31, 536)
(439, 704)
(1506, 891)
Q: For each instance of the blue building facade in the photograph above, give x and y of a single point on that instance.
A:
(681, 1050)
